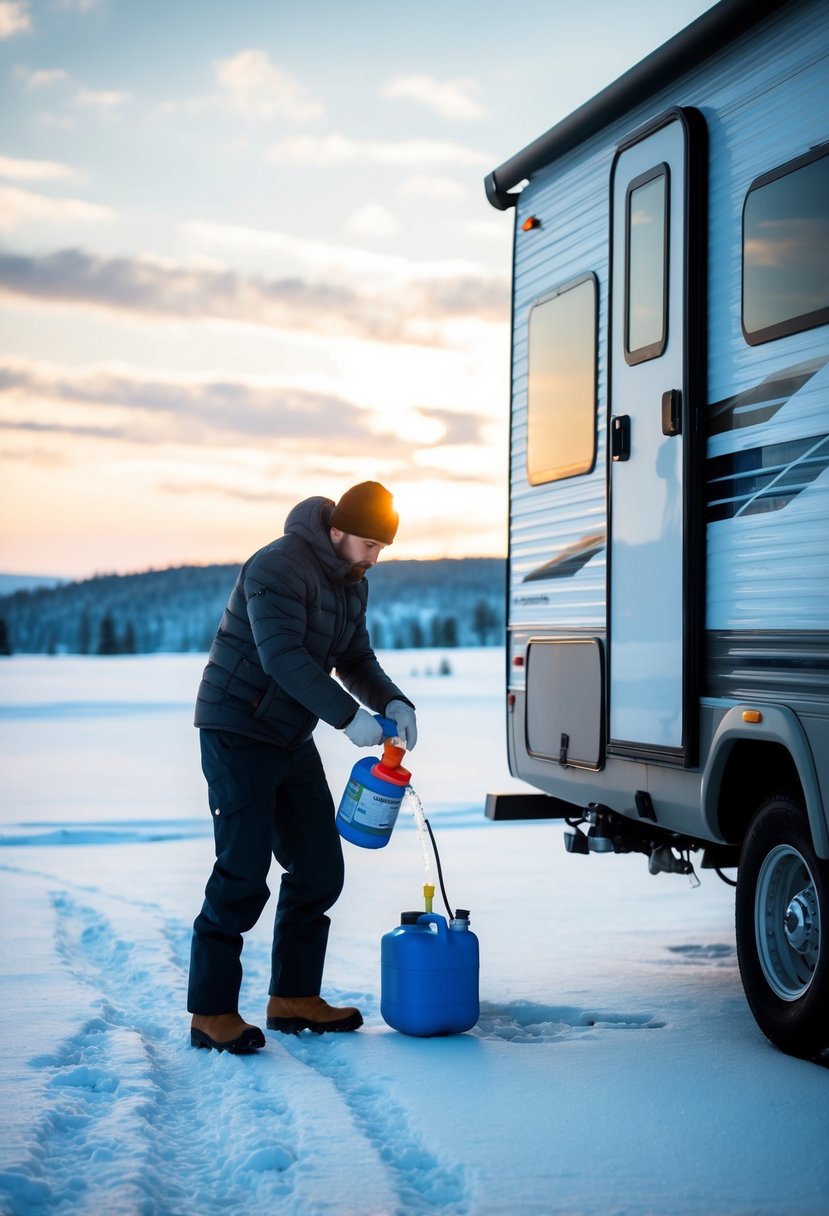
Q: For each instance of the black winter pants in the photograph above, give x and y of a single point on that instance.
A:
(264, 801)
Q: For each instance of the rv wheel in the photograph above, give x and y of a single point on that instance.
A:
(782, 905)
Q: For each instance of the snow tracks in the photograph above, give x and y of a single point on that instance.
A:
(130, 1119)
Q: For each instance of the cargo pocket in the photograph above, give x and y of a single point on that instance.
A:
(228, 795)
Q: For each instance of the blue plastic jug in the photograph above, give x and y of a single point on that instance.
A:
(371, 800)
(429, 982)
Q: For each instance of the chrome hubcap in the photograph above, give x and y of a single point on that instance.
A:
(787, 922)
(801, 922)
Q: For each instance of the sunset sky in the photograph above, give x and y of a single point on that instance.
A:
(246, 257)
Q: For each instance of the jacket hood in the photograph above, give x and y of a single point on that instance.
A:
(309, 520)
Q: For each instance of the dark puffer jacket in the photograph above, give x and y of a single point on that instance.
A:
(290, 621)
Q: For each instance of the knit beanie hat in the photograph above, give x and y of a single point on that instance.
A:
(366, 510)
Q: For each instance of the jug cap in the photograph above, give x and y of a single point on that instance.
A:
(409, 918)
(397, 776)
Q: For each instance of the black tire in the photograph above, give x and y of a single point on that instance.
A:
(782, 924)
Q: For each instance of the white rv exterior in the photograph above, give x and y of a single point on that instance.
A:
(668, 585)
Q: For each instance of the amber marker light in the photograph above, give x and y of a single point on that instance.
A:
(532, 221)
(752, 715)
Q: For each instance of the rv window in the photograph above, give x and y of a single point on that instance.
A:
(646, 266)
(561, 407)
(786, 250)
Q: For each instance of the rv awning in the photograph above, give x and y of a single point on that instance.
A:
(698, 41)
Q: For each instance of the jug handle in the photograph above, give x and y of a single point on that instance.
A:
(389, 726)
(432, 918)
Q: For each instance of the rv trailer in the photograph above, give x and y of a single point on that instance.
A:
(667, 685)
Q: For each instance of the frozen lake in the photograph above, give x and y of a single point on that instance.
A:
(615, 1069)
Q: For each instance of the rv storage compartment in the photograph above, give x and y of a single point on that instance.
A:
(564, 701)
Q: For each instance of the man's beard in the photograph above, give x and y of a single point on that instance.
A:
(357, 570)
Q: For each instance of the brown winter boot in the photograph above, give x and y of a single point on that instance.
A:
(225, 1032)
(291, 1014)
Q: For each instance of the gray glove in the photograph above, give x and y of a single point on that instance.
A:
(364, 730)
(404, 716)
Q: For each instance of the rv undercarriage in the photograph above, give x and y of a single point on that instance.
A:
(667, 852)
(609, 832)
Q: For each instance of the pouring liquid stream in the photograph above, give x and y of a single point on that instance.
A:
(420, 822)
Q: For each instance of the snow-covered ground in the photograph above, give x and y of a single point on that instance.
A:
(615, 1068)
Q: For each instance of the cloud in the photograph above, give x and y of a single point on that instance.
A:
(33, 170)
(158, 289)
(207, 412)
(372, 220)
(315, 256)
(104, 100)
(454, 99)
(14, 18)
(336, 149)
(22, 206)
(213, 489)
(80, 6)
(257, 88)
(423, 185)
(488, 230)
(77, 431)
(116, 403)
(44, 78)
(456, 429)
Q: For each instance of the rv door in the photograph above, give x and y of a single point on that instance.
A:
(656, 388)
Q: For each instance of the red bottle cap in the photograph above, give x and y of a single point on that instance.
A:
(397, 776)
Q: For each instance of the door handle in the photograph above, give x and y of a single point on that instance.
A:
(620, 437)
(672, 412)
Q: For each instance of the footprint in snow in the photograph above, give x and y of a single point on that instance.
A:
(717, 954)
(131, 1118)
(423, 1182)
(529, 1022)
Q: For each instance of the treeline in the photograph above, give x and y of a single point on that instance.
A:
(412, 604)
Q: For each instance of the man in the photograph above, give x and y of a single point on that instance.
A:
(296, 613)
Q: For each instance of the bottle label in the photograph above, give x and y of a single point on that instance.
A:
(372, 812)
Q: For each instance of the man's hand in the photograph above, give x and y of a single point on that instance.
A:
(364, 730)
(404, 716)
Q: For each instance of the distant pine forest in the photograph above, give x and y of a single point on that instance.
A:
(412, 604)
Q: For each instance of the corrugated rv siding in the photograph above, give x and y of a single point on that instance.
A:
(764, 102)
(768, 557)
(546, 520)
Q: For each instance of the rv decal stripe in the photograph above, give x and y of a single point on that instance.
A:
(570, 560)
(764, 478)
(781, 666)
(760, 403)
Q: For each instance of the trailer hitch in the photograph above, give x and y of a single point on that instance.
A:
(609, 832)
(663, 860)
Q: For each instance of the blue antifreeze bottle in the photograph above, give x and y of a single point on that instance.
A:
(371, 800)
(429, 983)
